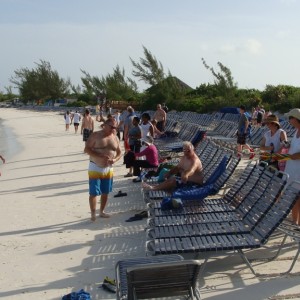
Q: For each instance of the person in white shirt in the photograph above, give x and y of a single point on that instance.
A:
(76, 117)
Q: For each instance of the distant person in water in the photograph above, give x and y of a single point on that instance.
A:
(3, 160)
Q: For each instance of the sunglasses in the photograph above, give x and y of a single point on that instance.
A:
(186, 150)
(112, 127)
(291, 117)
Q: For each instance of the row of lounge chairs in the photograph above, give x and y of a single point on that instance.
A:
(254, 206)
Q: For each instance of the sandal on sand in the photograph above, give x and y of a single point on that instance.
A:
(128, 175)
(109, 280)
(134, 218)
(109, 287)
(142, 214)
(120, 194)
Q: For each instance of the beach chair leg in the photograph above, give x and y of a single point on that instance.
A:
(293, 262)
(247, 261)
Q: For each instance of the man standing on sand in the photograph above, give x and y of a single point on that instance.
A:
(104, 149)
(87, 125)
(161, 117)
(189, 171)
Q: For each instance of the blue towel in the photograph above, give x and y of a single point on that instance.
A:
(195, 193)
(80, 295)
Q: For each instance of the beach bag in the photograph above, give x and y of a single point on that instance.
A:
(129, 159)
(161, 176)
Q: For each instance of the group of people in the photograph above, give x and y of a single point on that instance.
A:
(274, 141)
(104, 149)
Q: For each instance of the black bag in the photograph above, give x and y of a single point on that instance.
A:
(138, 143)
(129, 159)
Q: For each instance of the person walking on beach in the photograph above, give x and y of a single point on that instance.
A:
(76, 120)
(128, 124)
(161, 117)
(242, 133)
(87, 125)
(3, 160)
(104, 149)
(67, 117)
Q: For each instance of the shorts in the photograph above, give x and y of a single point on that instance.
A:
(180, 184)
(241, 138)
(100, 179)
(86, 133)
(76, 124)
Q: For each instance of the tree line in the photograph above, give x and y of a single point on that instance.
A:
(42, 83)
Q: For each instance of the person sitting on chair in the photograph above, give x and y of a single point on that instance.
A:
(189, 169)
(151, 161)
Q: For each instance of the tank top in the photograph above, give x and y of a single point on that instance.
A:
(275, 139)
(145, 129)
(292, 166)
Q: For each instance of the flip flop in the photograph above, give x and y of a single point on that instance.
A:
(109, 287)
(142, 214)
(120, 194)
(134, 218)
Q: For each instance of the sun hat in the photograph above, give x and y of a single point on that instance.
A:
(272, 119)
(295, 113)
(148, 140)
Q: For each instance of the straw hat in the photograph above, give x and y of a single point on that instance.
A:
(295, 113)
(272, 119)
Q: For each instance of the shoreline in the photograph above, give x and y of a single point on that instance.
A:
(50, 248)
(10, 145)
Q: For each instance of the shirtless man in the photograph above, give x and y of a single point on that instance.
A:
(87, 125)
(189, 168)
(104, 149)
(161, 117)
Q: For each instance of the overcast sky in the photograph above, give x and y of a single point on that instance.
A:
(258, 40)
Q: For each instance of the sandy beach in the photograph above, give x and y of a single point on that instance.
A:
(48, 245)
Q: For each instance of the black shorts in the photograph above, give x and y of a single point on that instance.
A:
(86, 133)
(76, 124)
(241, 138)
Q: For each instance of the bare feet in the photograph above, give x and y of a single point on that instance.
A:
(93, 216)
(147, 186)
(104, 215)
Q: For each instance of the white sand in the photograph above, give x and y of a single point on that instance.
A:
(48, 246)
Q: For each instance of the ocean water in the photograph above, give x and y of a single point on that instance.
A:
(9, 145)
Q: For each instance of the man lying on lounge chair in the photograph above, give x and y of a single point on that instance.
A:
(189, 170)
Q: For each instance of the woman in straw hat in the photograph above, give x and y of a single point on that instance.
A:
(273, 140)
(293, 165)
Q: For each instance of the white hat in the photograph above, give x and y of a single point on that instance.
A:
(295, 113)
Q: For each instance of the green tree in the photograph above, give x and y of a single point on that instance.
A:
(164, 88)
(40, 83)
(149, 69)
(224, 82)
(115, 86)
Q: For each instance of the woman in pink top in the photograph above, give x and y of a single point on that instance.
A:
(151, 160)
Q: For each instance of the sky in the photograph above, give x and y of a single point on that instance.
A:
(258, 40)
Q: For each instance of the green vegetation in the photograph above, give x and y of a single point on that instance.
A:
(41, 84)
